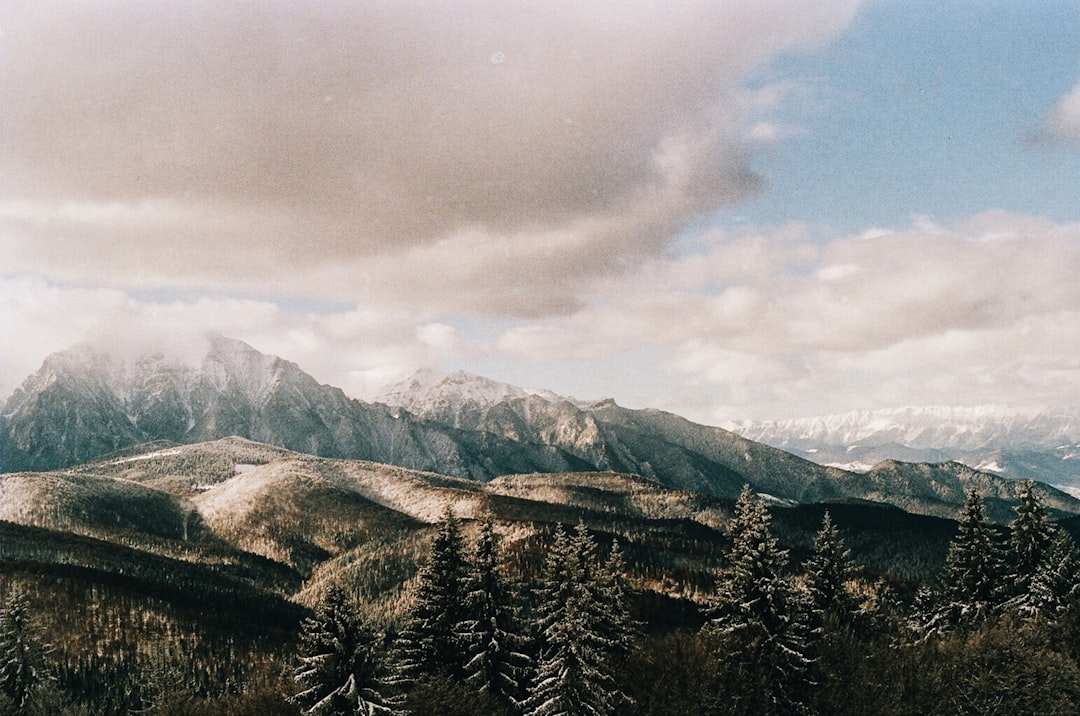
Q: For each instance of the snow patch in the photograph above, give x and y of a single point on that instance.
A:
(148, 456)
(851, 466)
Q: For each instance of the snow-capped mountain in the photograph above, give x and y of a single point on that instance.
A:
(84, 404)
(683, 454)
(447, 397)
(1040, 444)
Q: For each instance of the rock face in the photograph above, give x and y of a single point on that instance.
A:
(689, 456)
(82, 404)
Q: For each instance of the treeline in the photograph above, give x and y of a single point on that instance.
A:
(568, 630)
(998, 632)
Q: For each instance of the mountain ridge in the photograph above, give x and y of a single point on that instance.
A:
(83, 404)
(1043, 444)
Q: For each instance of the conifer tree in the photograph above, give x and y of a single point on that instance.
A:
(1030, 539)
(827, 572)
(22, 654)
(430, 644)
(757, 612)
(1056, 582)
(580, 632)
(621, 631)
(972, 585)
(497, 662)
(339, 669)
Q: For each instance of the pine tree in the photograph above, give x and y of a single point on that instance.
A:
(497, 662)
(22, 655)
(972, 585)
(430, 644)
(758, 614)
(827, 572)
(581, 632)
(339, 669)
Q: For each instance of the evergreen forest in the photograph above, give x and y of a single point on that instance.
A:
(573, 620)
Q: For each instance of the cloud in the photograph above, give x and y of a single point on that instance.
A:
(357, 349)
(342, 150)
(767, 323)
(1062, 123)
(796, 320)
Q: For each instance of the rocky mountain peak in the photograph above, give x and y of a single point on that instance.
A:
(438, 394)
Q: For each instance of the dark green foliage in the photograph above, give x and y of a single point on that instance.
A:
(1031, 535)
(1001, 667)
(1045, 562)
(1055, 585)
(674, 674)
(585, 631)
(827, 574)
(440, 696)
(972, 585)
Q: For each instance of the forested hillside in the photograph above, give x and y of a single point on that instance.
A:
(232, 578)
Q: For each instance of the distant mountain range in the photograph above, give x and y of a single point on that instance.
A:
(1041, 445)
(83, 405)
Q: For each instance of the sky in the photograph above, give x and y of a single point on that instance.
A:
(726, 209)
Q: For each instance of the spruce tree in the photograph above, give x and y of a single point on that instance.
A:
(827, 572)
(758, 614)
(339, 667)
(22, 654)
(620, 629)
(580, 632)
(1032, 533)
(430, 644)
(971, 589)
(1056, 582)
(497, 662)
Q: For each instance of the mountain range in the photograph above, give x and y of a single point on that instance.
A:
(83, 404)
(1042, 445)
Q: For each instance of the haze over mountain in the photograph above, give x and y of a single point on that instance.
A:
(1039, 444)
(82, 405)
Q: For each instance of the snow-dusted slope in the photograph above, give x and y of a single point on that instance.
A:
(430, 391)
(683, 454)
(83, 404)
(934, 428)
(1041, 444)
(446, 397)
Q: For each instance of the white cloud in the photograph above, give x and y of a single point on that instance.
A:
(370, 153)
(1062, 123)
(356, 350)
(756, 324)
(980, 311)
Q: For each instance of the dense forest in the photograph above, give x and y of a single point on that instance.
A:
(560, 622)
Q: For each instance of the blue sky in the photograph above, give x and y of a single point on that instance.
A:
(724, 209)
(928, 109)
